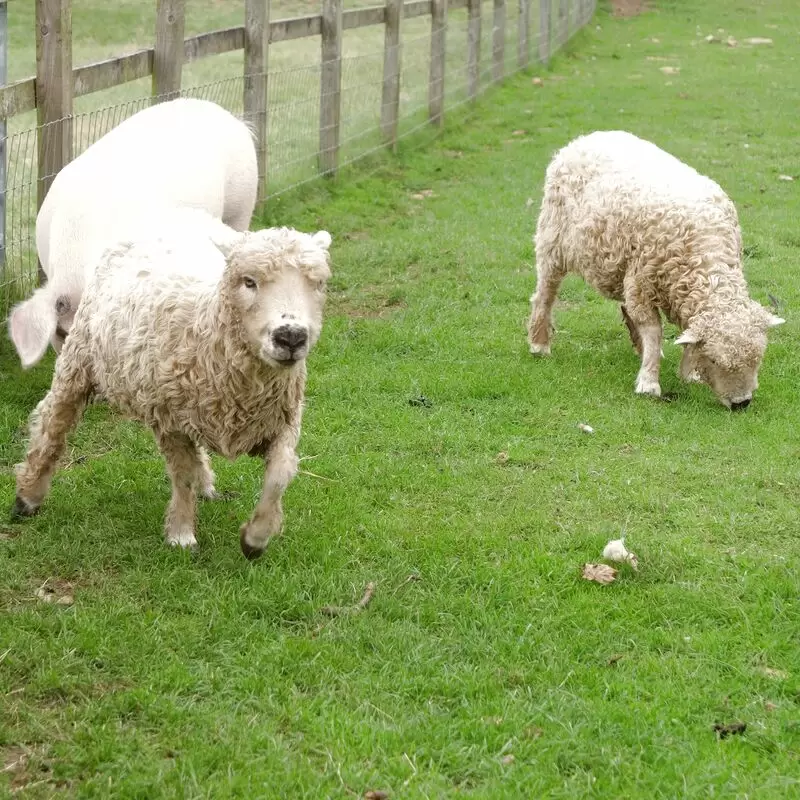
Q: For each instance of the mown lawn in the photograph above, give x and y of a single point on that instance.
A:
(454, 477)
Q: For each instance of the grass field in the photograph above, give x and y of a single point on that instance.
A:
(454, 477)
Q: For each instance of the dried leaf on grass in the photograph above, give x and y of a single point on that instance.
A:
(508, 759)
(600, 573)
(585, 428)
(423, 194)
(758, 40)
(785, 178)
(57, 592)
(769, 672)
(376, 794)
(537, 82)
(670, 70)
(730, 729)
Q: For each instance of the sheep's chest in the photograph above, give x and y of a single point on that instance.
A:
(244, 425)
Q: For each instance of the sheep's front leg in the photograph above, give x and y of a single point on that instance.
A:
(266, 521)
(53, 419)
(647, 379)
(644, 325)
(187, 471)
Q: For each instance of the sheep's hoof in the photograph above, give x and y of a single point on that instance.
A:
(22, 509)
(647, 387)
(213, 494)
(250, 553)
(185, 539)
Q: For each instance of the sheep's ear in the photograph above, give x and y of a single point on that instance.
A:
(322, 238)
(31, 326)
(688, 337)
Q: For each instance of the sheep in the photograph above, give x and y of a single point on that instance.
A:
(181, 153)
(204, 339)
(644, 228)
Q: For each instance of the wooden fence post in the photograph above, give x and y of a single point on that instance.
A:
(563, 22)
(3, 135)
(168, 55)
(499, 40)
(523, 55)
(53, 91)
(390, 99)
(330, 96)
(256, 61)
(544, 31)
(473, 48)
(438, 53)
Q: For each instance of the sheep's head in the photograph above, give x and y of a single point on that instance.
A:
(725, 351)
(275, 285)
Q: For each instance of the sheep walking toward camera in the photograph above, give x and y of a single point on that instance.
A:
(184, 153)
(645, 229)
(204, 339)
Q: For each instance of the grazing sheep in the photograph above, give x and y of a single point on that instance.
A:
(205, 343)
(648, 230)
(183, 153)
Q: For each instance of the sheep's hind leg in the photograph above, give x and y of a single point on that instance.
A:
(54, 417)
(187, 472)
(267, 519)
(549, 274)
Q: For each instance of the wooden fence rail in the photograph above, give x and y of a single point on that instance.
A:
(57, 82)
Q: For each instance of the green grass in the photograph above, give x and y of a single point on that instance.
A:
(175, 675)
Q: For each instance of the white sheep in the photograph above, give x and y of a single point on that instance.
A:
(205, 343)
(644, 228)
(182, 153)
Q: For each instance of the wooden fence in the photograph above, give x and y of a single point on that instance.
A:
(51, 92)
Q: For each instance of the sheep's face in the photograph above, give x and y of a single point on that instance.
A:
(727, 355)
(276, 283)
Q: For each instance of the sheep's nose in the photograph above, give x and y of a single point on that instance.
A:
(291, 337)
(741, 405)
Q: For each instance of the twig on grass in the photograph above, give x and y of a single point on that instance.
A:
(340, 611)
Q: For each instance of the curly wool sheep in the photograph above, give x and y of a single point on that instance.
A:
(204, 339)
(646, 229)
(184, 153)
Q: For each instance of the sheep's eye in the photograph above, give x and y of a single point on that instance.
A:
(249, 283)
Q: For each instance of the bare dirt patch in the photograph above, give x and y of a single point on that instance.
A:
(628, 8)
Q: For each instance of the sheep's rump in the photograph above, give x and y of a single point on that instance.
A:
(615, 203)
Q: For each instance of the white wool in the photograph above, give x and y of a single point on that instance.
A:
(184, 153)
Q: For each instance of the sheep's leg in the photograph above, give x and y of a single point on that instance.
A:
(207, 477)
(645, 321)
(687, 369)
(647, 379)
(186, 471)
(266, 521)
(549, 274)
(53, 419)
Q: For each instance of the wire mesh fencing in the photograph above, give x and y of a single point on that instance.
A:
(295, 101)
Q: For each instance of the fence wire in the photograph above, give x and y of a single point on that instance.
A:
(294, 100)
